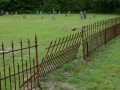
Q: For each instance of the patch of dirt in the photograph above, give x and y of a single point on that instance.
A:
(56, 85)
(53, 85)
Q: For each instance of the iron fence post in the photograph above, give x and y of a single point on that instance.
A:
(83, 42)
(37, 71)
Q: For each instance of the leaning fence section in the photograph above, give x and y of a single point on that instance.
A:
(59, 52)
(19, 71)
(97, 34)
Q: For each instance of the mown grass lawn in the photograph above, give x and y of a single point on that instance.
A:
(14, 28)
(101, 71)
(97, 72)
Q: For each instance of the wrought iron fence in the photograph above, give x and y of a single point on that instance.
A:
(97, 34)
(20, 69)
(59, 52)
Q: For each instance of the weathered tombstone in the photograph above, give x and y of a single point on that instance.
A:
(59, 12)
(1, 13)
(94, 16)
(6, 13)
(81, 15)
(24, 15)
(12, 13)
(16, 13)
(52, 17)
(42, 17)
(40, 13)
(85, 17)
(69, 13)
(37, 12)
(53, 11)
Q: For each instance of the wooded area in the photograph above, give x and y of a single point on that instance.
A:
(75, 6)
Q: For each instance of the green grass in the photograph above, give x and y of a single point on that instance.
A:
(101, 71)
(14, 28)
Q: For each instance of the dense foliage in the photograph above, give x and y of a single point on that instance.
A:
(30, 6)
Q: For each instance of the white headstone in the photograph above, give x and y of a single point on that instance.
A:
(52, 17)
(24, 15)
(81, 15)
(53, 11)
(59, 12)
(69, 13)
(37, 12)
(42, 17)
(6, 13)
(16, 12)
(85, 17)
(40, 13)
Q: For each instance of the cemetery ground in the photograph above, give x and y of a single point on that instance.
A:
(99, 71)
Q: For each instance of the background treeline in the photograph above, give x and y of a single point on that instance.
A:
(75, 6)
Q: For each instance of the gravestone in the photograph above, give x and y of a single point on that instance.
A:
(53, 11)
(85, 17)
(59, 12)
(12, 13)
(42, 17)
(69, 13)
(52, 17)
(24, 15)
(6, 13)
(16, 13)
(81, 15)
(37, 12)
(40, 13)
(1, 13)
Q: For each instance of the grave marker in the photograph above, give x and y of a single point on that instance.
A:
(2, 12)
(16, 13)
(42, 17)
(12, 13)
(6, 13)
(52, 17)
(24, 15)
(40, 13)
(53, 11)
(85, 17)
(81, 15)
(37, 12)
(69, 13)
(59, 12)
